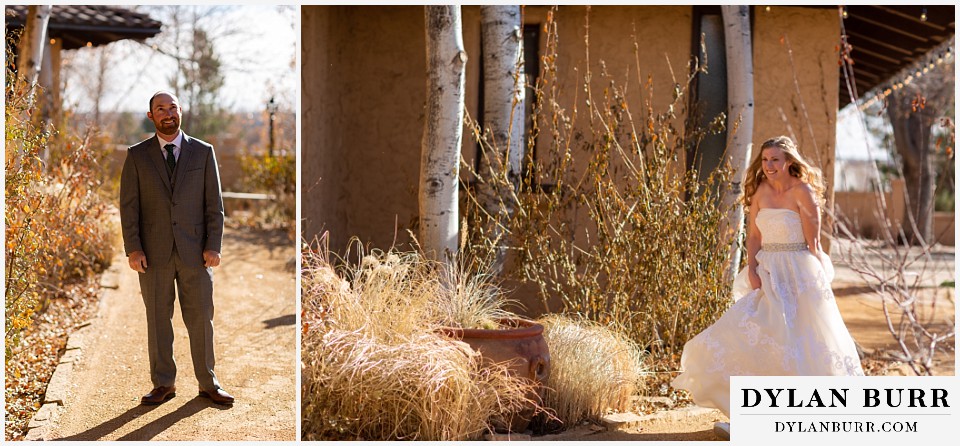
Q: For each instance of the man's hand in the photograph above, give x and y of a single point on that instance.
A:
(137, 261)
(211, 258)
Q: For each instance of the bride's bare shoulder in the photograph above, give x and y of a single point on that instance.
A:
(802, 190)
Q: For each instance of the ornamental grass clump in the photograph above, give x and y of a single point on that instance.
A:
(374, 366)
(594, 370)
(472, 299)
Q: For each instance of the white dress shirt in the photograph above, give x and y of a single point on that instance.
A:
(176, 142)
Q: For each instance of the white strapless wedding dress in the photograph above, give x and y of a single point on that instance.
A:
(789, 326)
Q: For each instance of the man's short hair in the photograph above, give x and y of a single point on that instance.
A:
(168, 93)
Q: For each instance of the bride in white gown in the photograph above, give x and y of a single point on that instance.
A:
(784, 320)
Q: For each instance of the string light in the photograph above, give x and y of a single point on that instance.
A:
(845, 14)
(941, 54)
(767, 9)
(923, 15)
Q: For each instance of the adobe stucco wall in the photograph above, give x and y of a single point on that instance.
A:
(363, 93)
(662, 35)
(362, 104)
(798, 96)
(364, 80)
(318, 184)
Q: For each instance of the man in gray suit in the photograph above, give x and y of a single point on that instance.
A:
(171, 213)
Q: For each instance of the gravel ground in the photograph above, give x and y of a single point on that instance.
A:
(255, 342)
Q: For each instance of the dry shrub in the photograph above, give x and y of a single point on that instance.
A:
(374, 366)
(275, 175)
(594, 369)
(608, 221)
(918, 311)
(57, 230)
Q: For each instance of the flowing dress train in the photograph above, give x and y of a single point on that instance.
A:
(789, 326)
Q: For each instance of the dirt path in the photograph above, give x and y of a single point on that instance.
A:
(688, 424)
(255, 342)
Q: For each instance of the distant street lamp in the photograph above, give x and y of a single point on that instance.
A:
(272, 109)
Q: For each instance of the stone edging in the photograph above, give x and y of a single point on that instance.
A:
(56, 394)
(613, 422)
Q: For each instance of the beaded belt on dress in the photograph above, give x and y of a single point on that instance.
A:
(781, 247)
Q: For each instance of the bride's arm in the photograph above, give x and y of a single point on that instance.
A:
(754, 241)
(809, 218)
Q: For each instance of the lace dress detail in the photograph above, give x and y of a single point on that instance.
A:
(789, 326)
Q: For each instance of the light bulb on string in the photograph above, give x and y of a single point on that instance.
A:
(923, 15)
(845, 14)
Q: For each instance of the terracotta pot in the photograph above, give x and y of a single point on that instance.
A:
(520, 343)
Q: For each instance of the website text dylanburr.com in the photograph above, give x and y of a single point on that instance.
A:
(845, 426)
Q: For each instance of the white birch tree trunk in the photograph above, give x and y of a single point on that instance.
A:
(31, 46)
(442, 133)
(736, 20)
(503, 115)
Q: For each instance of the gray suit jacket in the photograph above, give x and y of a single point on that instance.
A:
(156, 212)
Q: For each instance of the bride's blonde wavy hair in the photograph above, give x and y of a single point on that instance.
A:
(799, 168)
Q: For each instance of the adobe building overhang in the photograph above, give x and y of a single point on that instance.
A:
(886, 39)
(87, 25)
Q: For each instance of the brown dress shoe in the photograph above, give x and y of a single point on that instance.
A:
(218, 396)
(159, 395)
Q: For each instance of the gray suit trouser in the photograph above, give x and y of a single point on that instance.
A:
(194, 285)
